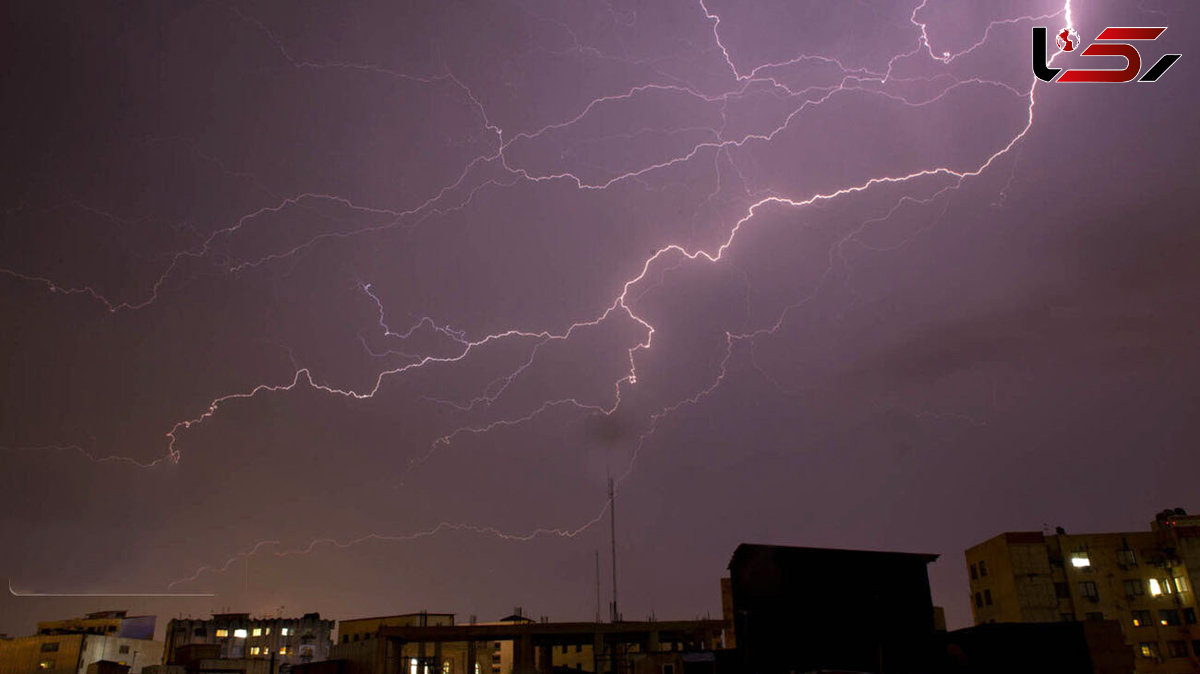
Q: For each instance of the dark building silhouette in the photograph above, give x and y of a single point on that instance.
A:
(1096, 647)
(812, 609)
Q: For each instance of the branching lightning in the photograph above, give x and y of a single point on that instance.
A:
(460, 192)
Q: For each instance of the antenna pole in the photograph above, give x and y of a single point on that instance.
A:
(597, 585)
(612, 518)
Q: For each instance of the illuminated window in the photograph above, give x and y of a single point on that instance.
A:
(268, 631)
(283, 650)
(221, 634)
(1169, 616)
(1149, 649)
(46, 664)
(1140, 618)
(1080, 560)
(239, 634)
(412, 666)
(476, 668)
(256, 632)
(1180, 584)
(284, 631)
(255, 650)
(446, 667)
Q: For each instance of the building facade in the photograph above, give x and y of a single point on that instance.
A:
(284, 641)
(71, 646)
(364, 651)
(1144, 580)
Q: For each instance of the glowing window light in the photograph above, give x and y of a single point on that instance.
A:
(1080, 560)
(221, 634)
(257, 632)
(1155, 588)
(412, 666)
(239, 634)
(284, 631)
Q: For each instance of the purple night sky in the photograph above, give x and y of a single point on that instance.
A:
(353, 307)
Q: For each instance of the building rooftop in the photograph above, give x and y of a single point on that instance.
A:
(825, 555)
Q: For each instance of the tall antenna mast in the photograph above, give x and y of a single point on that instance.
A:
(597, 584)
(612, 518)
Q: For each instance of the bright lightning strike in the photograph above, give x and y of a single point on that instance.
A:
(460, 192)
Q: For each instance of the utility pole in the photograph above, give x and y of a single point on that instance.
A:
(597, 585)
(612, 518)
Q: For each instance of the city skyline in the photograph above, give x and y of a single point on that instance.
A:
(361, 307)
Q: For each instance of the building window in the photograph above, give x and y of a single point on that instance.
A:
(1140, 618)
(987, 597)
(1080, 560)
(1180, 584)
(46, 664)
(255, 650)
(1133, 587)
(1177, 649)
(267, 631)
(1125, 557)
(1169, 616)
(1062, 590)
(283, 650)
(1095, 616)
(982, 569)
(1189, 616)
(978, 600)
(345, 638)
(579, 647)
(239, 634)
(1196, 647)
(221, 634)
(974, 573)
(1088, 589)
(123, 649)
(199, 632)
(256, 632)
(1149, 649)
(284, 631)
(50, 647)
(564, 649)
(1160, 587)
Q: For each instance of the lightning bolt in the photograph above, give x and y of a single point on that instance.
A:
(459, 193)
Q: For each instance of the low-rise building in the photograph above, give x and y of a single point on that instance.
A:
(71, 646)
(237, 636)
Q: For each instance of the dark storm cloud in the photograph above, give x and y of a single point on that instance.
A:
(283, 234)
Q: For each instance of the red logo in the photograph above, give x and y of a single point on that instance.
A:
(1112, 41)
(1067, 40)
